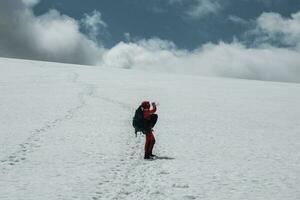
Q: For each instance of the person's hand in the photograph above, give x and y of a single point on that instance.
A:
(153, 104)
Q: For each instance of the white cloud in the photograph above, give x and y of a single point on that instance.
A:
(200, 8)
(204, 8)
(238, 20)
(127, 37)
(226, 60)
(277, 28)
(94, 24)
(144, 54)
(51, 37)
(30, 2)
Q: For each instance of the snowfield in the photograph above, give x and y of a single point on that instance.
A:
(65, 133)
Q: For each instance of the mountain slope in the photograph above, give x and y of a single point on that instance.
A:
(66, 134)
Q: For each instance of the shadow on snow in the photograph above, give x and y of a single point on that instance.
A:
(163, 158)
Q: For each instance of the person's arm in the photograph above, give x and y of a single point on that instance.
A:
(148, 112)
(153, 110)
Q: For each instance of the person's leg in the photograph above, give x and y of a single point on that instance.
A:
(152, 145)
(148, 145)
(150, 140)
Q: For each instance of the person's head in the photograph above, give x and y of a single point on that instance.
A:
(145, 104)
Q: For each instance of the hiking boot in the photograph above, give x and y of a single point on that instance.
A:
(147, 157)
(152, 155)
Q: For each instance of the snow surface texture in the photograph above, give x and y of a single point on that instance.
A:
(65, 133)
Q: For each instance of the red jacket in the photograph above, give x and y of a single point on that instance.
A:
(148, 112)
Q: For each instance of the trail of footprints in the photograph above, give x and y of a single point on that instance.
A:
(122, 177)
(35, 139)
(33, 142)
(118, 179)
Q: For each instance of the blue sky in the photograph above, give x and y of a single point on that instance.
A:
(249, 39)
(172, 20)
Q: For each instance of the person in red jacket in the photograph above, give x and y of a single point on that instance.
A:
(150, 120)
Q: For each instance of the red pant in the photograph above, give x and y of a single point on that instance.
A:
(150, 141)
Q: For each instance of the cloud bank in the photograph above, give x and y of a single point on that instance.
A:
(261, 62)
(51, 37)
(57, 37)
(226, 60)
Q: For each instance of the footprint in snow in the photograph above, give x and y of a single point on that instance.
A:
(178, 185)
(188, 197)
(164, 173)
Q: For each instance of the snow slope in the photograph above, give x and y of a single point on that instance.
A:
(65, 133)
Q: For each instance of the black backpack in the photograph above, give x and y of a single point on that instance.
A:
(138, 121)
